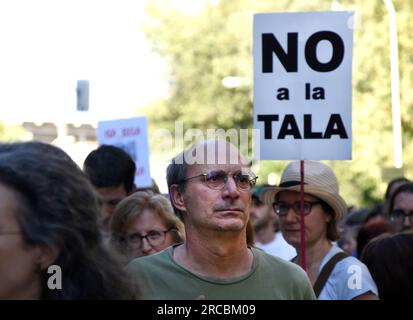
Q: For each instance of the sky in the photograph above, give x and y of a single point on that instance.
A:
(47, 45)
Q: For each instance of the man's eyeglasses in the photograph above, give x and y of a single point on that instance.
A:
(218, 179)
(399, 215)
(154, 237)
(282, 208)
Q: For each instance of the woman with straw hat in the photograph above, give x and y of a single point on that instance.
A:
(333, 275)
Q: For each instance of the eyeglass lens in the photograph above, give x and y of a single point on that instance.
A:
(282, 208)
(218, 179)
(154, 237)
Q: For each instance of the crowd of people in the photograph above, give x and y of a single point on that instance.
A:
(217, 234)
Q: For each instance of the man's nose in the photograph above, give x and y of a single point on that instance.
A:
(231, 188)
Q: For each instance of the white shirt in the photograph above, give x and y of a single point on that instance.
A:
(278, 247)
(349, 278)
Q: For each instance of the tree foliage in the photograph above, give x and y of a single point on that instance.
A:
(203, 47)
(11, 133)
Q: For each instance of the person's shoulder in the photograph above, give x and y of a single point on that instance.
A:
(151, 260)
(259, 252)
(277, 263)
(285, 274)
(351, 278)
(349, 263)
(353, 267)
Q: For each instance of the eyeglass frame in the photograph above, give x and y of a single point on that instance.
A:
(296, 206)
(396, 217)
(252, 179)
(163, 232)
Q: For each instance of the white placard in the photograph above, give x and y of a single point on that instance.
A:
(130, 135)
(302, 85)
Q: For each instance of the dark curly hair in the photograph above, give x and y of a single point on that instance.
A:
(58, 207)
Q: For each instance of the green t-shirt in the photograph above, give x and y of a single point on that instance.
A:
(158, 276)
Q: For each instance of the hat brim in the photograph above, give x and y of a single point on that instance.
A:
(335, 201)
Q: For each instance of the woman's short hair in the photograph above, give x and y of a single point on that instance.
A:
(132, 206)
(332, 232)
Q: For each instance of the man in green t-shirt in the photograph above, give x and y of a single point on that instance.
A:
(210, 185)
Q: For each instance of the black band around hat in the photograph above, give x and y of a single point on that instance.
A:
(289, 184)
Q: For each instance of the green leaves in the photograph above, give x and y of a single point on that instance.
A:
(11, 133)
(204, 47)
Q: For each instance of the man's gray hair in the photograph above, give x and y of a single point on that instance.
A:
(176, 174)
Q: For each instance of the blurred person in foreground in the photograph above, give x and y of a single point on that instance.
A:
(49, 216)
(144, 223)
(323, 208)
(210, 185)
(389, 258)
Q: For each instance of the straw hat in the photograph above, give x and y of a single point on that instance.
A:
(319, 181)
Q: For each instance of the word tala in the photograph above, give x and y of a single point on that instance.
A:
(289, 127)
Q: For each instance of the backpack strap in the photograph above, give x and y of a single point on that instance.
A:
(326, 271)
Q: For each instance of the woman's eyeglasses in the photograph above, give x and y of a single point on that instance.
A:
(399, 215)
(154, 237)
(282, 208)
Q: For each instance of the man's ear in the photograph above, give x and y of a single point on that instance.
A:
(177, 197)
(134, 189)
(46, 255)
